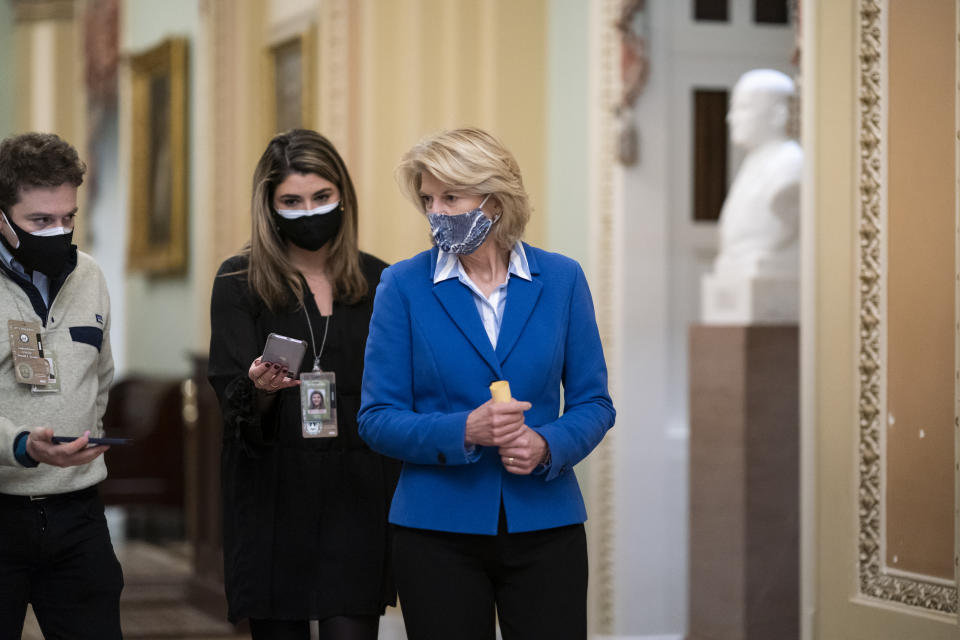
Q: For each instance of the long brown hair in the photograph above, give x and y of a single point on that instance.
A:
(270, 273)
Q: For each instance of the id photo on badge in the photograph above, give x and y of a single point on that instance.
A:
(317, 405)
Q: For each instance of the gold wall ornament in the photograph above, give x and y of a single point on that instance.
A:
(158, 172)
(634, 70)
(874, 581)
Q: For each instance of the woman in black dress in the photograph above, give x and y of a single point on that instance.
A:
(305, 518)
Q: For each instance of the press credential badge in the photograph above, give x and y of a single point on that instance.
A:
(30, 366)
(318, 404)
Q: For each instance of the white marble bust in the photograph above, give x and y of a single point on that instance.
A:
(759, 222)
(755, 277)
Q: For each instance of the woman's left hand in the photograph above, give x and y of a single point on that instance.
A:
(522, 454)
(270, 377)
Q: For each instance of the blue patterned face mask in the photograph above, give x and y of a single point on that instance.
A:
(462, 233)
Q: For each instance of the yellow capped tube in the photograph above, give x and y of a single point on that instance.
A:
(500, 391)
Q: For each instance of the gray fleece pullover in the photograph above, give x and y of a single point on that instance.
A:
(78, 318)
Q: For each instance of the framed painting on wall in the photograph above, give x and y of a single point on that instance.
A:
(291, 69)
(158, 171)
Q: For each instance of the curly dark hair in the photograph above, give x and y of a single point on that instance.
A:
(36, 160)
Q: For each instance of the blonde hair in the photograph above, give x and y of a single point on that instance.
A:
(472, 161)
(269, 272)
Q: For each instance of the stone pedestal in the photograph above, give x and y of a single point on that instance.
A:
(741, 300)
(744, 483)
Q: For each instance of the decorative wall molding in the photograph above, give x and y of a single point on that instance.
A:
(605, 262)
(874, 581)
(222, 20)
(335, 47)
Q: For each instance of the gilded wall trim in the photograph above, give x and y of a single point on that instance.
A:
(874, 581)
(604, 284)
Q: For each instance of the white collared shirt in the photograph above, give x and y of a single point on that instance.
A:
(491, 309)
(39, 280)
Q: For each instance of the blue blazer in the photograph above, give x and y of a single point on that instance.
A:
(429, 363)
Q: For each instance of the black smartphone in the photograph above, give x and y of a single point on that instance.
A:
(108, 441)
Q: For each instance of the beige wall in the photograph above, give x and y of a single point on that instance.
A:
(828, 322)
(403, 69)
(47, 78)
(390, 72)
(8, 65)
(423, 65)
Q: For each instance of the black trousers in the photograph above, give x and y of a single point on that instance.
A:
(335, 628)
(451, 583)
(56, 554)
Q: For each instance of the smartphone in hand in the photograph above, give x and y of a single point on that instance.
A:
(107, 441)
(285, 351)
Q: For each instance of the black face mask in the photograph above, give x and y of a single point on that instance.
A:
(311, 232)
(47, 254)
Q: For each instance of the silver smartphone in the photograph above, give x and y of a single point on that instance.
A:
(286, 351)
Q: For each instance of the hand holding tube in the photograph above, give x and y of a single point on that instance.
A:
(524, 448)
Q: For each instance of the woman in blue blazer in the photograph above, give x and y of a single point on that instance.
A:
(488, 513)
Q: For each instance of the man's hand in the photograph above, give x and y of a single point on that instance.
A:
(41, 448)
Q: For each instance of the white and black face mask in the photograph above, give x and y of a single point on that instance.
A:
(46, 251)
(310, 229)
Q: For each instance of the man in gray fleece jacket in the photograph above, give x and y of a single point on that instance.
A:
(55, 372)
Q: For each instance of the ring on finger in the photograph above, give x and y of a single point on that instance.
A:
(511, 460)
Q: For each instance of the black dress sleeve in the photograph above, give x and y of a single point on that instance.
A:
(234, 345)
